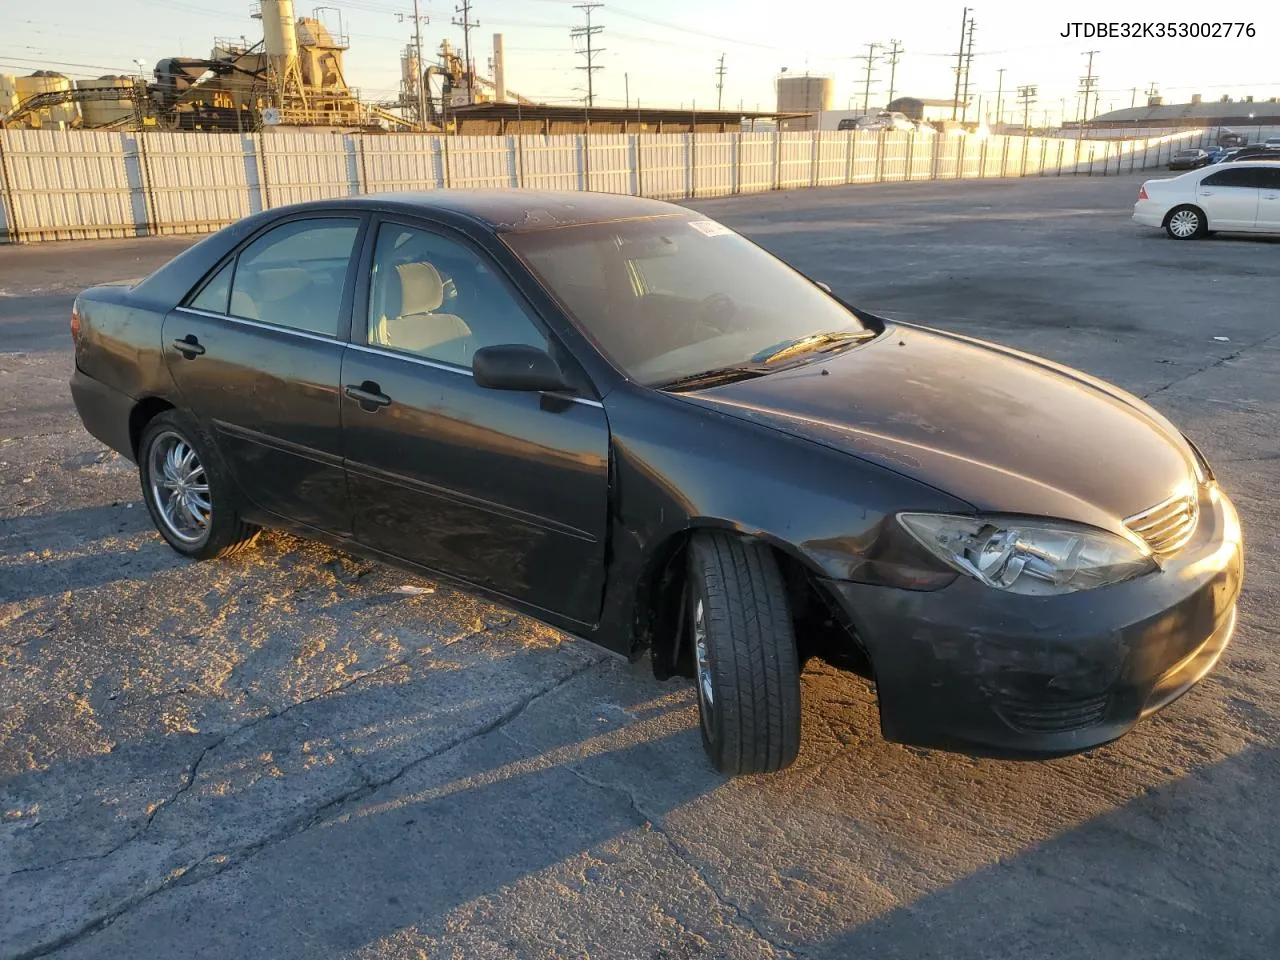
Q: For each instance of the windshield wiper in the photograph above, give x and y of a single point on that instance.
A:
(814, 341)
(713, 377)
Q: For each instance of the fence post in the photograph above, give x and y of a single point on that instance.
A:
(815, 152)
(736, 146)
(259, 147)
(880, 135)
(144, 184)
(777, 159)
(693, 164)
(908, 171)
(10, 222)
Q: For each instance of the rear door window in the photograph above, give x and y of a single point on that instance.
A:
(213, 295)
(293, 275)
(1237, 177)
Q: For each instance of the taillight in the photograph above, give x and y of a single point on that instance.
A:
(75, 322)
(1142, 192)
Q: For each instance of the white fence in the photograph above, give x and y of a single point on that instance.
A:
(74, 184)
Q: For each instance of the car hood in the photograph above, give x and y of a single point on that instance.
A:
(1004, 431)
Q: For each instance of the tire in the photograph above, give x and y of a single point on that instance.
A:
(747, 670)
(208, 527)
(1186, 223)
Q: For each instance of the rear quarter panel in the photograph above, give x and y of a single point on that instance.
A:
(119, 344)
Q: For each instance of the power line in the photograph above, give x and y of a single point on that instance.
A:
(420, 88)
(1089, 86)
(586, 32)
(895, 49)
(968, 65)
(955, 100)
(870, 57)
(467, 25)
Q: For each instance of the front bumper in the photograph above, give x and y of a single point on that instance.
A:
(981, 671)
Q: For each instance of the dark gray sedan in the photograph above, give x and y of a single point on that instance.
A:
(623, 418)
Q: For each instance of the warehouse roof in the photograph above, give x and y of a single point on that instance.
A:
(542, 111)
(1235, 111)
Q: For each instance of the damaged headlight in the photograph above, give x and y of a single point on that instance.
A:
(1030, 557)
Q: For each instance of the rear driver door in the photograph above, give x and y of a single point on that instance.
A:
(1230, 198)
(256, 353)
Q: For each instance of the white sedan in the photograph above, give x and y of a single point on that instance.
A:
(1239, 197)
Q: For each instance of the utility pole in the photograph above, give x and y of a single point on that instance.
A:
(1000, 97)
(1133, 100)
(626, 87)
(1089, 85)
(870, 57)
(1028, 96)
(968, 66)
(895, 48)
(418, 21)
(720, 71)
(467, 25)
(955, 100)
(585, 33)
(1152, 92)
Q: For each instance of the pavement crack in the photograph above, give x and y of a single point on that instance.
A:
(1212, 364)
(218, 863)
(685, 856)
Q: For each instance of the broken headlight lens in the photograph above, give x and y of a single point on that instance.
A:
(1030, 557)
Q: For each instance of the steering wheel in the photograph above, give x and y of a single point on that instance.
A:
(712, 312)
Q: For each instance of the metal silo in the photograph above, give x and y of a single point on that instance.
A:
(805, 94)
(100, 113)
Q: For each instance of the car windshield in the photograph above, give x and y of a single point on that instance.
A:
(667, 299)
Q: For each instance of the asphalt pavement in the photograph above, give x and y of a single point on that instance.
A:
(296, 753)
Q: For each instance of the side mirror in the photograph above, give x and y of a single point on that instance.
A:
(516, 366)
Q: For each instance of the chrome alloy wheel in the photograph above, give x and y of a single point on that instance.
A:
(179, 488)
(1184, 223)
(706, 689)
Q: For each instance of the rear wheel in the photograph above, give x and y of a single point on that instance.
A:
(1186, 223)
(747, 668)
(187, 490)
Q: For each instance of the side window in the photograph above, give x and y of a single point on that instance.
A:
(433, 297)
(293, 275)
(1269, 177)
(213, 296)
(1241, 177)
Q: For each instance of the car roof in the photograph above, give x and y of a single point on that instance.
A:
(513, 210)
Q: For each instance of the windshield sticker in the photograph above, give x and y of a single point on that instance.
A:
(709, 228)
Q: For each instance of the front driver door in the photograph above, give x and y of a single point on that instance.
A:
(505, 489)
(256, 353)
(1230, 198)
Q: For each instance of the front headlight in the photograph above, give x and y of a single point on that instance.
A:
(1031, 557)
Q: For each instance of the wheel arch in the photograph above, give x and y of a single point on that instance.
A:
(1185, 206)
(661, 585)
(143, 412)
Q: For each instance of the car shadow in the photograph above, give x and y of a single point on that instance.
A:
(1187, 870)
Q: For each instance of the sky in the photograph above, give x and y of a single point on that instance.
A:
(665, 52)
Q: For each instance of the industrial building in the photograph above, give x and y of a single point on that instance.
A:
(1226, 112)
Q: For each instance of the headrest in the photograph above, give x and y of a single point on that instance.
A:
(421, 289)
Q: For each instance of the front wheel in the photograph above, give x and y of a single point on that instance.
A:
(744, 645)
(1186, 223)
(187, 491)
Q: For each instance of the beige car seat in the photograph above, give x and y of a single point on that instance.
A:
(417, 329)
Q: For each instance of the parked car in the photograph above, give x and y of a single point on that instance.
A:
(628, 421)
(1231, 139)
(1189, 159)
(1240, 197)
(1255, 151)
(1222, 154)
(1272, 143)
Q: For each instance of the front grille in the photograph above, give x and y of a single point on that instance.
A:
(1167, 526)
(1053, 716)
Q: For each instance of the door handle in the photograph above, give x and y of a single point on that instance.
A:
(189, 346)
(369, 395)
(1206, 193)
